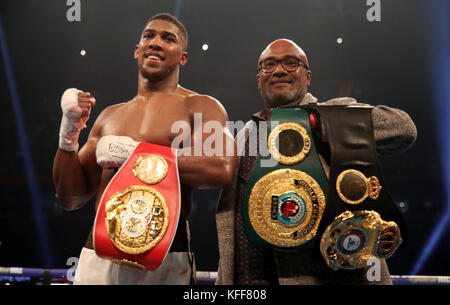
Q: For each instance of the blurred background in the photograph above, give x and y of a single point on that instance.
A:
(401, 59)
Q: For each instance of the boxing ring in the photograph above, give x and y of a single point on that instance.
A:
(344, 44)
(38, 276)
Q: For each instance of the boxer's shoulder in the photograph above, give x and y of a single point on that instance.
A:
(106, 115)
(185, 92)
(204, 103)
(111, 110)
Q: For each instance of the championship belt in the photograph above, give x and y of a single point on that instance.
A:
(355, 237)
(283, 203)
(138, 214)
(358, 202)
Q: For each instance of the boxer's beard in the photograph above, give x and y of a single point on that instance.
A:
(157, 75)
(275, 100)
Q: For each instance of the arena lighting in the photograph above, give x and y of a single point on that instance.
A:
(438, 46)
(178, 8)
(24, 147)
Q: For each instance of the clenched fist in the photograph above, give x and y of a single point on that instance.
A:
(76, 106)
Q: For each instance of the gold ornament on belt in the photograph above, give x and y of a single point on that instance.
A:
(136, 219)
(128, 263)
(293, 143)
(150, 169)
(355, 237)
(285, 207)
(353, 187)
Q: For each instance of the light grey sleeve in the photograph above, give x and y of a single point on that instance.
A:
(394, 130)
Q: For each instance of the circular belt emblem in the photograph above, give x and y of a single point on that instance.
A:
(285, 207)
(133, 225)
(289, 143)
(353, 187)
(139, 205)
(291, 208)
(351, 242)
(354, 237)
(136, 219)
(150, 169)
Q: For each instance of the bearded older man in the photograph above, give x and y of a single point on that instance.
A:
(283, 79)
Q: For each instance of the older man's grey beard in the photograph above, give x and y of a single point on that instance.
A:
(275, 100)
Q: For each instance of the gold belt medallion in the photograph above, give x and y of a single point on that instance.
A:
(136, 218)
(355, 237)
(285, 207)
(150, 169)
(353, 187)
(293, 142)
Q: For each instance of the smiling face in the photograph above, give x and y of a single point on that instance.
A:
(160, 51)
(281, 87)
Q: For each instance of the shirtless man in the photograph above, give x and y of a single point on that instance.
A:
(148, 117)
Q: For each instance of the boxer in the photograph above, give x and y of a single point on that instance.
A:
(79, 174)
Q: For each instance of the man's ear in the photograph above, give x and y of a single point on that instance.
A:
(308, 77)
(183, 59)
(258, 77)
(135, 51)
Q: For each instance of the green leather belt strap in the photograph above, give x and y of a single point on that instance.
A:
(310, 165)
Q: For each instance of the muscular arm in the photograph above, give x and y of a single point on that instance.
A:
(214, 168)
(77, 175)
(394, 131)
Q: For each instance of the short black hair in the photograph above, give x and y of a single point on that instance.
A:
(174, 20)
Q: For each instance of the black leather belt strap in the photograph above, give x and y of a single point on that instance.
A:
(352, 146)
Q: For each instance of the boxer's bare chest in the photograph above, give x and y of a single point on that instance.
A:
(152, 121)
(156, 120)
